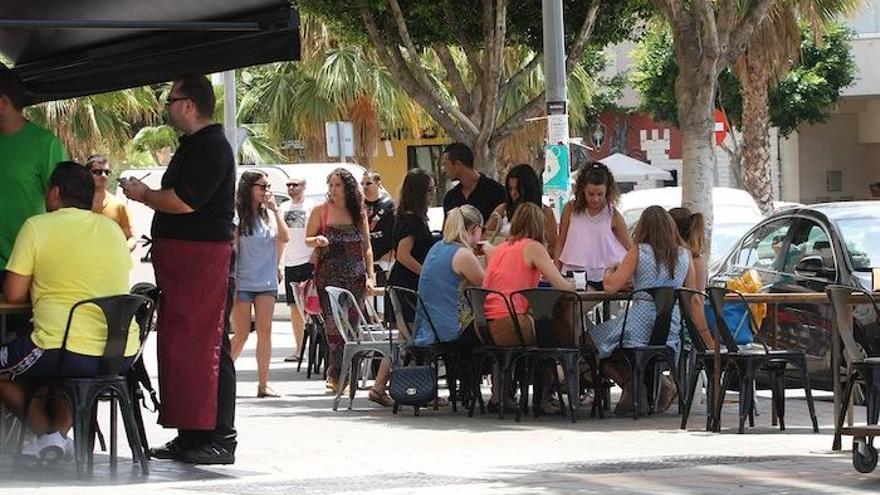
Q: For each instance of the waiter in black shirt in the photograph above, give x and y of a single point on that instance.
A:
(473, 187)
(380, 217)
(192, 246)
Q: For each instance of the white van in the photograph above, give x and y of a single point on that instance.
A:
(734, 211)
(315, 175)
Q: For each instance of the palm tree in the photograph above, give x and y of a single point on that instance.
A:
(103, 123)
(769, 56)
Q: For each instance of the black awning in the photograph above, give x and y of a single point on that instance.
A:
(64, 48)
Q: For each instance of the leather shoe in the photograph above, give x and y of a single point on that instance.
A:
(170, 450)
(212, 453)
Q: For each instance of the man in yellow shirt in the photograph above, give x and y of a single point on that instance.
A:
(105, 202)
(60, 258)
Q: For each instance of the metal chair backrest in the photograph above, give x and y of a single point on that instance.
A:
(342, 306)
(397, 303)
(413, 301)
(118, 312)
(839, 296)
(146, 315)
(548, 308)
(717, 297)
(663, 299)
(477, 297)
(686, 299)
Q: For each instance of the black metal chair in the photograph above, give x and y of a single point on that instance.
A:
(450, 352)
(137, 377)
(746, 364)
(509, 359)
(704, 356)
(83, 392)
(314, 339)
(864, 369)
(642, 359)
(549, 308)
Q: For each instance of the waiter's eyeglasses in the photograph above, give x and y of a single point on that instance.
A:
(264, 187)
(100, 171)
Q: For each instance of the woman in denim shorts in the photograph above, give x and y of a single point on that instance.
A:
(259, 241)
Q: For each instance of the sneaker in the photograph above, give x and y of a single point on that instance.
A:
(170, 450)
(47, 448)
(212, 453)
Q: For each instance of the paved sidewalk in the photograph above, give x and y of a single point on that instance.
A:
(297, 444)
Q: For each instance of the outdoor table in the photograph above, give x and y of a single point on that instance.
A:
(7, 309)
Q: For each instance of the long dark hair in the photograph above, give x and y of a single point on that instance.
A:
(527, 184)
(247, 221)
(657, 229)
(414, 193)
(354, 199)
(597, 174)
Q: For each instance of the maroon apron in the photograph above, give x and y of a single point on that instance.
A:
(193, 279)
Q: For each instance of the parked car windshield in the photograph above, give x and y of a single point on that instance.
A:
(861, 236)
(724, 236)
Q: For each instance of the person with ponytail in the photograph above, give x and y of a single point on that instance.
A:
(692, 229)
(449, 265)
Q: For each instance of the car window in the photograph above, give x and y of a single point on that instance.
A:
(810, 239)
(861, 236)
(760, 248)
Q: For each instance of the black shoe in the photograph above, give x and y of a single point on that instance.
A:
(212, 453)
(170, 450)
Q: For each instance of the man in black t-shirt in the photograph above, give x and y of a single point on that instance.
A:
(473, 188)
(380, 216)
(192, 249)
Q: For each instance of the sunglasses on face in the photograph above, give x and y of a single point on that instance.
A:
(100, 171)
(295, 184)
(366, 184)
(172, 99)
(264, 187)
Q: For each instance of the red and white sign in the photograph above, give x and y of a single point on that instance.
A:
(722, 126)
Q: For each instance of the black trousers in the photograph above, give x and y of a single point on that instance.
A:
(224, 433)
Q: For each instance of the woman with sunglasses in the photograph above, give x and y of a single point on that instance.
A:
(107, 204)
(259, 243)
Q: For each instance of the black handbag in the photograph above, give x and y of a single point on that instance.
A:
(411, 385)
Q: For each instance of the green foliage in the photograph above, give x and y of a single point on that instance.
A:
(826, 67)
(806, 92)
(428, 20)
(654, 74)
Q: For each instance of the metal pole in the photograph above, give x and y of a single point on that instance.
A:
(229, 111)
(556, 169)
(554, 52)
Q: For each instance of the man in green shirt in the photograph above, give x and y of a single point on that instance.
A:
(28, 155)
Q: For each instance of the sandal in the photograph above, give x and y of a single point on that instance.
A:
(383, 400)
(263, 392)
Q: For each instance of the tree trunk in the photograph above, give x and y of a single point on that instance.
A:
(756, 134)
(695, 95)
(484, 158)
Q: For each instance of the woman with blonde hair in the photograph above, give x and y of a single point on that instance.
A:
(449, 265)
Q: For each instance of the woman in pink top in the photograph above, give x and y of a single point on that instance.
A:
(517, 264)
(592, 234)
